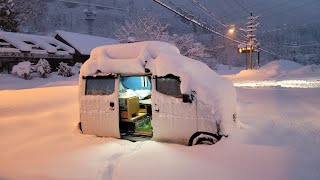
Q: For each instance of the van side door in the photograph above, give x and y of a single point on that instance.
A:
(172, 119)
(99, 106)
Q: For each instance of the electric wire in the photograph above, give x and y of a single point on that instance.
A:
(190, 18)
(214, 17)
(242, 7)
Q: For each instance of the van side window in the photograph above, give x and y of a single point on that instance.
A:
(99, 86)
(169, 85)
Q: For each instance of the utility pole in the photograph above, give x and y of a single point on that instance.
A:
(253, 44)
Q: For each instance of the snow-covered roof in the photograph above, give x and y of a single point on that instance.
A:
(84, 43)
(163, 59)
(34, 44)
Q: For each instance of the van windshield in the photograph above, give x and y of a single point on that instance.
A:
(100, 86)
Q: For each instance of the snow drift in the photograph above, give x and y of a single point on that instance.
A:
(280, 69)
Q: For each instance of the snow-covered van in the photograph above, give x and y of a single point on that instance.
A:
(148, 90)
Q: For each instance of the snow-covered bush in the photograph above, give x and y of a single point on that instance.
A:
(64, 70)
(43, 67)
(22, 69)
(76, 68)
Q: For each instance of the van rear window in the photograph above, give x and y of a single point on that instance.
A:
(99, 86)
(169, 85)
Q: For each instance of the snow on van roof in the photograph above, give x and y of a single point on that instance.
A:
(84, 43)
(163, 59)
(35, 43)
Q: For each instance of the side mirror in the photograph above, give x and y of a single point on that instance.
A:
(186, 98)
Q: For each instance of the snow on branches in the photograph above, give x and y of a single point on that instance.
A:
(188, 46)
(22, 69)
(141, 29)
(149, 29)
(65, 70)
(8, 20)
(43, 67)
(15, 14)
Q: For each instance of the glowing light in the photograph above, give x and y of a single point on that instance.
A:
(231, 29)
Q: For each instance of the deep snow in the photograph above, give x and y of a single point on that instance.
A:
(279, 139)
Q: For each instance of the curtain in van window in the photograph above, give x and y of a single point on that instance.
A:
(169, 86)
(100, 86)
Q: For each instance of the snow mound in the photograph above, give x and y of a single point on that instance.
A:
(162, 59)
(281, 65)
(225, 69)
(278, 70)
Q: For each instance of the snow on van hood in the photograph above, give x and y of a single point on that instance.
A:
(163, 59)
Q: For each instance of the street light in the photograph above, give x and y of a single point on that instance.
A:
(231, 29)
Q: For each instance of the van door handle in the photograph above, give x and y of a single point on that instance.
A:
(156, 108)
(111, 105)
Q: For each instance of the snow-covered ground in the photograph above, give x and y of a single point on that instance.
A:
(279, 138)
(281, 73)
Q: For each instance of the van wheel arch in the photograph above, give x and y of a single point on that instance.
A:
(204, 138)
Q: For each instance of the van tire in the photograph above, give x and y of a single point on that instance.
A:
(204, 138)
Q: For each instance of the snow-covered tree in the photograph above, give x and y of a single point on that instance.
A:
(8, 20)
(140, 29)
(29, 14)
(148, 29)
(21, 14)
(64, 70)
(22, 69)
(188, 46)
(43, 67)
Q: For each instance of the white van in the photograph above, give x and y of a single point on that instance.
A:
(147, 90)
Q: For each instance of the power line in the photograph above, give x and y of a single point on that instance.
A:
(244, 9)
(273, 7)
(213, 16)
(202, 25)
(209, 13)
(294, 8)
(191, 19)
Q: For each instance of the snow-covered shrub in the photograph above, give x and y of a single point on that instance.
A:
(22, 69)
(76, 68)
(64, 70)
(43, 67)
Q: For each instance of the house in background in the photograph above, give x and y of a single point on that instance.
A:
(82, 43)
(17, 47)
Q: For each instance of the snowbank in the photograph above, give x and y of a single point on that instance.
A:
(12, 82)
(162, 59)
(278, 70)
(225, 69)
